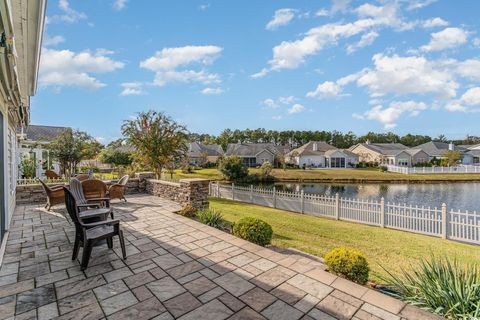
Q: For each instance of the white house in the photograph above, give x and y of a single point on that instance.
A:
(319, 154)
(33, 142)
(21, 32)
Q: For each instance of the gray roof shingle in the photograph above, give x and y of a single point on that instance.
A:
(43, 133)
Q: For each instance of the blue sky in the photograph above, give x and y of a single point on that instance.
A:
(402, 66)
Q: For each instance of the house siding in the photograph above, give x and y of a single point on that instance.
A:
(264, 156)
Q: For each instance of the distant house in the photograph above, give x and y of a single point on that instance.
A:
(389, 153)
(471, 154)
(319, 154)
(254, 154)
(33, 144)
(437, 150)
(200, 154)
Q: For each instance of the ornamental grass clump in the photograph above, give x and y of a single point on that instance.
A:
(440, 286)
(211, 217)
(253, 230)
(348, 263)
(188, 211)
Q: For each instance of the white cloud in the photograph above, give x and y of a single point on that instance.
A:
(212, 91)
(165, 64)
(204, 7)
(469, 69)
(435, 22)
(327, 89)
(366, 40)
(389, 116)
(69, 15)
(269, 102)
(132, 88)
(322, 13)
(281, 17)
(418, 4)
(470, 99)
(276, 103)
(119, 4)
(446, 39)
(407, 75)
(67, 68)
(52, 41)
(296, 108)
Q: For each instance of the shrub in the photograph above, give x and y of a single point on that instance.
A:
(28, 167)
(442, 287)
(253, 230)
(266, 169)
(348, 263)
(188, 211)
(383, 169)
(211, 217)
(233, 168)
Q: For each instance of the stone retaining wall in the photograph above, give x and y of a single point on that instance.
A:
(186, 191)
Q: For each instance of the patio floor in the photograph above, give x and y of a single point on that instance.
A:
(176, 268)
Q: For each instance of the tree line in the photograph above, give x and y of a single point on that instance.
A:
(338, 139)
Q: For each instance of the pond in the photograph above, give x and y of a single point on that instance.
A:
(457, 195)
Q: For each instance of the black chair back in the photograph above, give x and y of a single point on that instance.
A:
(71, 205)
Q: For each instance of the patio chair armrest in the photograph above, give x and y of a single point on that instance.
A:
(98, 199)
(101, 223)
(86, 205)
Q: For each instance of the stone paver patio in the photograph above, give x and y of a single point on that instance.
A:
(176, 268)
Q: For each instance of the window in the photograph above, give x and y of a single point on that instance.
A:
(337, 162)
(403, 162)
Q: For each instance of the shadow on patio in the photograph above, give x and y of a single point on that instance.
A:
(176, 268)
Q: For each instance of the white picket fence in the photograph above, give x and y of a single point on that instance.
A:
(456, 225)
(437, 170)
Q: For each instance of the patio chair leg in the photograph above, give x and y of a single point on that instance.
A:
(87, 250)
(110, 243)
(111, 214)
(76, 248)
(122, 244)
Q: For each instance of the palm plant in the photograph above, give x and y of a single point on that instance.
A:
(441, 286)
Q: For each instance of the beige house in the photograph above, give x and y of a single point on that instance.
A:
(389, 154)
(200, 154)
(21, 30)
(319, 154)
(254, 154)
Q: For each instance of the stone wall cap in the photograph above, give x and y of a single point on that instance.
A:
(194, 180)
(170, 183)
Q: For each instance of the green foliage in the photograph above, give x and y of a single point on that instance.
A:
(211, 217)
(442, 287)
(85, 168)
(266, 169)
(70, 147)
(188, 211)
(233, 168)
(423, 164)
(253, 230)
(117, 157)
(452, 158)
(159, 141)
(28, 167)
(383, 169)
(348, 263)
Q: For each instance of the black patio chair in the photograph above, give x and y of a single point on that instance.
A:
(89, 234)
(89, 207)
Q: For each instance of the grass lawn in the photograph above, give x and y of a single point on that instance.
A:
(395, 250)
(332, 175)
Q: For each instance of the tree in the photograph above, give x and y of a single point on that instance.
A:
(452, 158)
(233, 168)
(69, 148)
(116, 156)
(158, 140)
(92, 149)
(266, 169)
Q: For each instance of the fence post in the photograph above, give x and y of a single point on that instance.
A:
(337, 206)
(251, 193)
(274, 197)
(218, 190)
(382, 212)
(444, 221)
(233, 191)
(302, 202)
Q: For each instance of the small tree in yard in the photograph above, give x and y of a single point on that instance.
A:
(69, 148)
(159, 141)
(233, 168)
(451, 158)
(116, 157)
(266, 169)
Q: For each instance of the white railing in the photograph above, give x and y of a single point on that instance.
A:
(438, 222)
(436, 170)
(21, 182)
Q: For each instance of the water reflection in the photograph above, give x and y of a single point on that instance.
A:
(464, 196)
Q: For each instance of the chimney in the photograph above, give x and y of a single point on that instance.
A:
(315, 146)
(451, 146)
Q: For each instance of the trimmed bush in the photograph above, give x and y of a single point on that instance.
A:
(188, 211)
(253, 230)
(348, 263)
(442, 287)
(211, 217)
(233, 168)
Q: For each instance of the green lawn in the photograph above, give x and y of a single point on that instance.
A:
(395, 250)
(332, 175)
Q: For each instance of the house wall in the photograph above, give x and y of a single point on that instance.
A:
(316, 161)
(366, 155)
(264, 156)
(421, 156)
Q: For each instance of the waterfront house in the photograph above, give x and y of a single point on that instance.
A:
(471, 154)
(254, 154)
(382, 153)
(33, 144)
(436, 149)
(200, 154)
(19, 61)
(319, 154)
